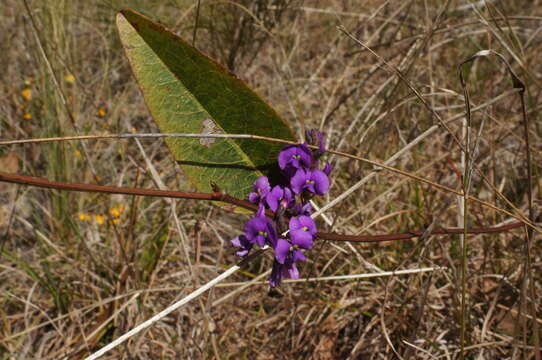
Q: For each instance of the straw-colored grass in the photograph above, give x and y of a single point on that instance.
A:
(77, 270)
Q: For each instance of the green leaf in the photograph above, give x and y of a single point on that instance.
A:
(188, 92)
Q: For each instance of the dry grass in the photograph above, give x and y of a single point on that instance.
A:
(78, 270)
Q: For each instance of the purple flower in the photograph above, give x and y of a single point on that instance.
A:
(302, 231)
(315, 181)
(279, 196)
(305, 209)
(316, 137)
(321, 137)
(285, 252)
(327, 168)
(243, 244)
(294, 157)
(286, 255)
(286, 270)
(260, 230)
(260, 189)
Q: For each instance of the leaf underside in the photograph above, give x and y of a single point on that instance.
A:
(188, 92)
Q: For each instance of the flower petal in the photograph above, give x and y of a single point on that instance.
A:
(298, 256)
(236, 242)
(285, 155)
(299, 181)
(274, 197)
(294, 224)
(302, 238)
(305, 155)
(292, 272)
(307, 221)
(282, 250)
(243, 244)
(321, 181)
(262, 184)
(327, 168)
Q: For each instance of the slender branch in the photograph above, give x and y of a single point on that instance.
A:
(143, 136)
(464, 244)
(528, 277)
(376, 164)
(223, 197)
(417, 233)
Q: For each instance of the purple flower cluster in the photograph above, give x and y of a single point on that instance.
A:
(290, 200)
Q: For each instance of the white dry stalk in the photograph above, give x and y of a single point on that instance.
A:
(390, 161)
(343, 277)
(228, 272)
(163, 313)
(233, 269)
(172, 203)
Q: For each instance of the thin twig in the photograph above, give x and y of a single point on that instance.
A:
(223, 197)
(466, 186)
(529, 233)
(518, 84)
(377, 164)
(163, 313)
(340, 277)
(196, 24)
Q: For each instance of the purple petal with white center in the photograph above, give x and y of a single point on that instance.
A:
(295, 156)
(284, 156)
(308, 222)
(259, 230)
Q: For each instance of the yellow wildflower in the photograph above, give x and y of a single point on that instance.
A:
(116, 211)
(84, 217)
(26, 94)
(115, 221)
(27, 116)
(102, 112)
(100, 219)
(69, 78)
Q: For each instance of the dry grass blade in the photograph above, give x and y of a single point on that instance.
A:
(72, 262)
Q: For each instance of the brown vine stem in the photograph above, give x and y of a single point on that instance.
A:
(376, 164)
(223, 197)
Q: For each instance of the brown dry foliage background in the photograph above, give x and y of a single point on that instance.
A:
(73, 262)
